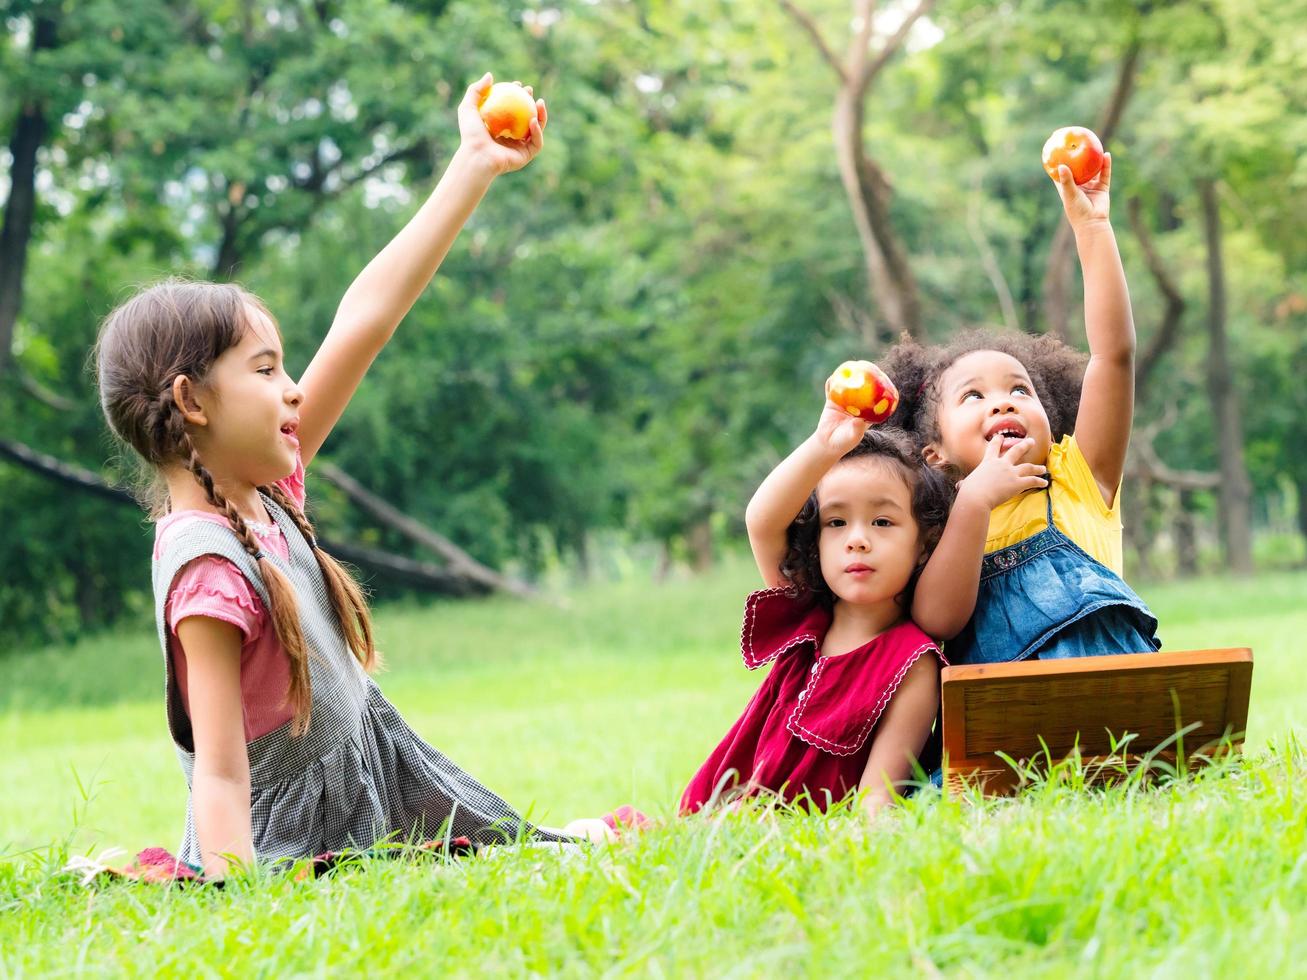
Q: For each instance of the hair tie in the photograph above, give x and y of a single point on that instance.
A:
(259, 555)
(313, 543)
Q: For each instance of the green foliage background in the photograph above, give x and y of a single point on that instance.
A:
(633, 330)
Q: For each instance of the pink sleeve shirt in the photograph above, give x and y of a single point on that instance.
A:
(212, 586)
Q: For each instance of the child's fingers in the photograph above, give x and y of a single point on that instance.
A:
(474, 90)
(1018, 451)
(535, 136)
(835, 413)
(994, 448)
(1066, 184)
(852, 430)
(1030, 469)
(542, 113)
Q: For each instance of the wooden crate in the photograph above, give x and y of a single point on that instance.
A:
(1009, 708)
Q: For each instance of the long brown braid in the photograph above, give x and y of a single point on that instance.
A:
(179, 328)
(347, 598)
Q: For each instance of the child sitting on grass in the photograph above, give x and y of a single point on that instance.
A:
(288, 747)
(1030, 563)
(840, 531)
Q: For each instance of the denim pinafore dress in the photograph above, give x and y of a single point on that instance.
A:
(1047, 597)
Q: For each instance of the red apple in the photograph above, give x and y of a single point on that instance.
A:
(864, 390)
(507, 110)
(1078, 148)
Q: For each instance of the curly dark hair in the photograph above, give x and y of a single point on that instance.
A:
(932, 496)
(1056, 370)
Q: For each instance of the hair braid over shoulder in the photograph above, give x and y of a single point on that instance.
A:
(347, 598)
(283, 606)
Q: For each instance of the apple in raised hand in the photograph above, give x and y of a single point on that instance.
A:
(507, 110)
(863, 390)
(1078, 148)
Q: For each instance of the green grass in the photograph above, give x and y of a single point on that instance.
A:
(616, 697)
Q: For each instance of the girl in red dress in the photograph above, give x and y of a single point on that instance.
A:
(840, 530)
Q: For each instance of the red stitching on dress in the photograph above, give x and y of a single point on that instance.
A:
(752, 660)
(807, 735)
(835, 748)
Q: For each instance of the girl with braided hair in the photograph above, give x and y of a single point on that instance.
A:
(288, 747)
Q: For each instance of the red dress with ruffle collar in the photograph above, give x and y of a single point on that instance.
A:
(808, 731)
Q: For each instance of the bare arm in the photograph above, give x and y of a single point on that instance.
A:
(387, 288)
(945, 596)
(1107, 397)
(220, 787)
(783, 493)
(901, 733)
(778, 501)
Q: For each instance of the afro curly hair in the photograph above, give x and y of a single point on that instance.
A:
(1057, 371)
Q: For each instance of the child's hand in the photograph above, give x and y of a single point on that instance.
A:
(499, 156)
(1085, 203)
(837, 430)
(1001, 475)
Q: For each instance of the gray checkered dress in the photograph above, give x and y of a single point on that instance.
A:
(359, 774)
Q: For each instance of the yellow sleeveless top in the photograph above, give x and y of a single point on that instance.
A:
(1078, 510)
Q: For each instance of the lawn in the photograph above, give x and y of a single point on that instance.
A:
(614, 695)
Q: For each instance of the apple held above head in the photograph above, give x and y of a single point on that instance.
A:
(864, 390)
(1078, 148)
(507, 110)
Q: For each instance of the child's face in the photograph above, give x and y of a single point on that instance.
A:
(250, 408)
(982, 395)
(868, 542)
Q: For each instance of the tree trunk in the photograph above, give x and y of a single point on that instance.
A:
(892, 287)
(700, 542)
(1168, 332)
(988, 260)
(890, 282)
(1028, 287)
(1138, 520)
(421, 575)
(460, 562)
(417, 574)
(1186, 544)
(1056, 313)
(1301, 485)
(585, 559)
(1235, 491)
(30, 132)
(663, 563)
(228, 262)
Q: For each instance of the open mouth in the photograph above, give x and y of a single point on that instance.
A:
(1010, 432)
(291, 431)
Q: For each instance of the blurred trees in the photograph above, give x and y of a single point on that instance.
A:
(633, 330)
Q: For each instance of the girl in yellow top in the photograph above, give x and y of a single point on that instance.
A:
(1029, 564)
